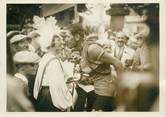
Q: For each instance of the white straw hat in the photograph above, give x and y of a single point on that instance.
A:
(26, 57)
(18, 38)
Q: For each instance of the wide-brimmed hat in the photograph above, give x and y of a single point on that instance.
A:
(33, 34)
(26, 57)
(92, 37)
(18, 38)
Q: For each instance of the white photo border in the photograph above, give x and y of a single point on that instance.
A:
(162, 102)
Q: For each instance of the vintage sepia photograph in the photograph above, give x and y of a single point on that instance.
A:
(82, 57)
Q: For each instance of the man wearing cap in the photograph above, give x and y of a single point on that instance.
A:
(19, 43)
(20, 101)
(26, 63)
(123, 52)
(141, 61)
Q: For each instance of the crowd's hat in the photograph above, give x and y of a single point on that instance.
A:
(121, 34)
(33, 34)
(12, 34)
(26, 57)
(104, 42)
(18, 38)
(92, 36)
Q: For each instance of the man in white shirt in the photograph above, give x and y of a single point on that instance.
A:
(122, 52)
(50, 89)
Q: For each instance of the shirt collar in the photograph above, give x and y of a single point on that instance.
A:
(22, 77)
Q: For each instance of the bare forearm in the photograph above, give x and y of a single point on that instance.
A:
(109, 59)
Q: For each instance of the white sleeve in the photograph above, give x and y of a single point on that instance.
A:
(60, 94)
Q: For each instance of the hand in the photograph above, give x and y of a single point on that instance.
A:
(128, 62)
(70, 80)
(140, 68)
(70, 86)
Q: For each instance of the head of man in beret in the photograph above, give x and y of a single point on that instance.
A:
(26, 62)
(20, 42)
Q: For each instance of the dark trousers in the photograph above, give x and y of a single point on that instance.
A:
(104, 103)
(81, 101)
(31, 81)
(44, 101)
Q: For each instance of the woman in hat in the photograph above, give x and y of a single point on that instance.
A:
(50, 89)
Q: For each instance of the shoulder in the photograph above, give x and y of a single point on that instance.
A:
(138, 50)
(53, 67)
(14, 84)
(53, 62)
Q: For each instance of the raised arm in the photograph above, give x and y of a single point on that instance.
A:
(95, 51)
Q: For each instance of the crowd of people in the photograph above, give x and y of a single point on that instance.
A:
(76, 70)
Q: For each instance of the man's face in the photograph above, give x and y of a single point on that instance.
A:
(22, 45)
(139, 40)
(70, 41)
(59, 43)
(30, 68)
(120, 40)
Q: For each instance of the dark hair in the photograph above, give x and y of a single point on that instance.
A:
(77, 29)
